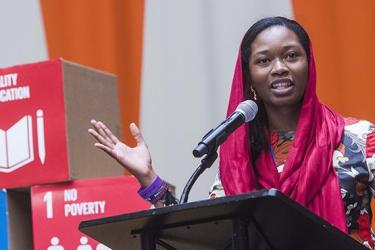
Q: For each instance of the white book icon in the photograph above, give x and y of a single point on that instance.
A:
(16, 145)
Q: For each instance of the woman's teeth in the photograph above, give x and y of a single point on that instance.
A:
(281, 85)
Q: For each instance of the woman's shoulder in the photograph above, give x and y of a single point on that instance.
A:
(360, 134)
(361, 128)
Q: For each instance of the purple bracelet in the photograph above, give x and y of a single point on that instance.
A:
(155, 191)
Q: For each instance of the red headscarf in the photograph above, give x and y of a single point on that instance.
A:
(308, 176)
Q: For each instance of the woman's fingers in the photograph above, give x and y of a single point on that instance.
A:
(108, 133)
(100, 138)
(100, 128)
(136, 133)
(100, 131)
(105, 135)
(104, 132)
(106, 149)
(136, 159)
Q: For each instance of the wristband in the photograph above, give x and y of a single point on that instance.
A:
(155, 191)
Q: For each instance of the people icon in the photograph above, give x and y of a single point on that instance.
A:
(100, 246)
(84, 244)
(55, 244)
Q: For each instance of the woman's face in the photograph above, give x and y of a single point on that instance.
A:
(278, 67)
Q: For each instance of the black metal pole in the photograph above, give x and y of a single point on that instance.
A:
(206, 162)
(240, 240)
(148, 240)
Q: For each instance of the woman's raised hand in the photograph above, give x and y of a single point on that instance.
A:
(136, 160)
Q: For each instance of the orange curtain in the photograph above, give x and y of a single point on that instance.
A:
(104, 34)
(343, 37)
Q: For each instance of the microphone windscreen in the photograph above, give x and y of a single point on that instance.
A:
(248, 108)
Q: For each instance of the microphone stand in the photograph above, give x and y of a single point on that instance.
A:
(209, 144)
(206, 162)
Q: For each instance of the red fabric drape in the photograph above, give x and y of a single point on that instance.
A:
(308, 176)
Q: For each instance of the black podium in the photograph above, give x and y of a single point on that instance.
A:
(260, 220)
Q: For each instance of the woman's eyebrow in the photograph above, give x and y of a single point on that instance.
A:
(263, 51)
(286, 47)
(289, 46)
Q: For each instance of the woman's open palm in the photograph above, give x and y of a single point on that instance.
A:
(137, 160)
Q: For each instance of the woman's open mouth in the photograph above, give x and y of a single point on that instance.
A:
(282, 87)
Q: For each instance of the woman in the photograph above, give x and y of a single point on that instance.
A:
(315, 156)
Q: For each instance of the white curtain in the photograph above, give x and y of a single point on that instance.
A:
(190, 48)
(22, 33)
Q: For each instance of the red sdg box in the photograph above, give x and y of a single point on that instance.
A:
(58, 209)
(46, 109)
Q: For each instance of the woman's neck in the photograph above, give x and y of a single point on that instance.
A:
(283, 119)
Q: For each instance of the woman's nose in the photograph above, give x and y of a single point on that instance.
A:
(279, 67)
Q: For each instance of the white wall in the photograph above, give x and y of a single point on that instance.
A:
(190, 48)
(22, 34)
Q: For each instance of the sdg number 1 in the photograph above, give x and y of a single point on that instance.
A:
(49, 206)
(69, 195)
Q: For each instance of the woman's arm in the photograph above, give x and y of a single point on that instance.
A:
(137, 160)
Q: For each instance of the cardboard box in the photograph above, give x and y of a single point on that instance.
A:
(15, 220)
(46, 109)
(58, 209)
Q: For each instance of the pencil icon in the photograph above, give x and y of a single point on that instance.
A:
(40, 131)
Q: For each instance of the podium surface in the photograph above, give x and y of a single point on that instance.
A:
(272, 221)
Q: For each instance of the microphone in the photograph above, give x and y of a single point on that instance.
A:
(245, 112)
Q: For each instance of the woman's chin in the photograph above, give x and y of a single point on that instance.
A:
(280, 101)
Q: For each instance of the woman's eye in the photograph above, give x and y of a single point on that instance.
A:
(263, 61)
(291, 55)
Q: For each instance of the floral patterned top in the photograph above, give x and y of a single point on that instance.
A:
(354, 162)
